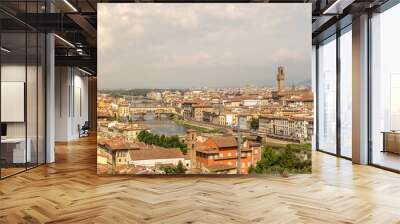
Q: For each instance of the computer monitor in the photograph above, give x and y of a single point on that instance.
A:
(3, 129)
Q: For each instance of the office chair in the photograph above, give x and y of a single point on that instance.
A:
(84, 130)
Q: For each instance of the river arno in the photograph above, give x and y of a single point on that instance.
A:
(163, 125)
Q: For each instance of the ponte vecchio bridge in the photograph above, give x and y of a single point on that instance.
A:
(158, 111)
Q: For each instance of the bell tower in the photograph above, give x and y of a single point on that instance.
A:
(280, 78)
(191, 138)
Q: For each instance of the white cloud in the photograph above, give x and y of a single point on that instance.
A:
(213, 41)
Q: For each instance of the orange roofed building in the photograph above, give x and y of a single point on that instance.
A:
(218, 154)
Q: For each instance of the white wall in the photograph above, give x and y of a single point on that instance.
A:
(71, 103)
(12, 73)
(153, 162)
(16, 73)
(81, 104)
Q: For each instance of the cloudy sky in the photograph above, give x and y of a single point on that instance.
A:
(202, 45)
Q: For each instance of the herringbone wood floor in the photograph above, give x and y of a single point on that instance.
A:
(69, 191)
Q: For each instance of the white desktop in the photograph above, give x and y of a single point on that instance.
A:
(18, 149)
(15, 146)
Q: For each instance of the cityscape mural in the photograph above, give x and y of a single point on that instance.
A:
(204, 89)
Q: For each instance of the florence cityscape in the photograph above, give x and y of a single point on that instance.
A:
(198, 92)
(202, 131)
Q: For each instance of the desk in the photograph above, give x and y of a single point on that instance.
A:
(391, 142)
(13, 150)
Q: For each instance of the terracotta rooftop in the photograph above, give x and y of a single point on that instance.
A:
(116, 146)
(202, 106)
(155, 154)
(103, 113)
(208, 151)
(224, 141)
(205, 147)
(301, 99)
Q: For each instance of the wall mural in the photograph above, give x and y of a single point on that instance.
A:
(204, 89)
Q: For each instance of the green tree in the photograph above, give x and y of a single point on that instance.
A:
(180, 168)
(288, 159)
(156, 140)
(269, 159)
(171, 169)
(168, 169)
(254, 123)
(284, 160)
(251, 169)
(130, 119)
(184, 149)
(141, 135)
(163, 141)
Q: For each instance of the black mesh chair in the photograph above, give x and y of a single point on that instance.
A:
(84, 130)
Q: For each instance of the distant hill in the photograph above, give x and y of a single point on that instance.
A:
(306, 83)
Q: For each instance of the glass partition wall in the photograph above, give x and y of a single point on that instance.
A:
(326, 101)
(334, 94)
(345, 62)
(385, 89)
(334, 91)
(22, 100)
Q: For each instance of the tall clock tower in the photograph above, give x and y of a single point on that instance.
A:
(280, 77)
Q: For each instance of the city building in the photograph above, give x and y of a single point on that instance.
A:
(293, 127)
(220, 155)
(250, 102)
(130, 131)
(139, 156)
(154, 95)
(190, 141)
(187, 110)
(211, 117)
(198, 111)
(280, 78)
(152, 158)
(123, 109)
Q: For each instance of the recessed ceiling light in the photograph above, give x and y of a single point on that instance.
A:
(64, 40)
(5, 50)
(84, 71)
(337, 7)
(70, 5)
